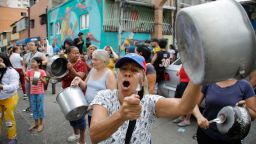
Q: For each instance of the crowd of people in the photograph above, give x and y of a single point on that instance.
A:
(119, 91)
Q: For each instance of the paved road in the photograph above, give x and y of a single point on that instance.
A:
(57, 129)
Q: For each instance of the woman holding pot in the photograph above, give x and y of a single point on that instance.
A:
(99, 78)
(9, 83)
(76, 68)
(112, 57)
(218, 95)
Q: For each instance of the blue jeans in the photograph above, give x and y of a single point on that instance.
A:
(37, 105)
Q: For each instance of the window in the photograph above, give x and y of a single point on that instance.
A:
(43, 19)
(32, 23)
(84, 21)
(14, 30)
(58, 27)
(51, 29)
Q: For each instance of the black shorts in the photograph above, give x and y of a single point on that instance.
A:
(180, 89)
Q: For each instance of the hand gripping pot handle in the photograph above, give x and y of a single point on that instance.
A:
(216, 44)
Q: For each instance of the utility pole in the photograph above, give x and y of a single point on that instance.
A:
(29, 22)
(120, 28)
(174, 20)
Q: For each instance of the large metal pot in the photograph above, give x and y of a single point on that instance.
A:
(216, 41)
(234, 122)
(57, 67)
(72, 103)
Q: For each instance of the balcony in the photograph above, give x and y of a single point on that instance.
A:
(15, 36)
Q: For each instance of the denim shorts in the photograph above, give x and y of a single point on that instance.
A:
(78, 124)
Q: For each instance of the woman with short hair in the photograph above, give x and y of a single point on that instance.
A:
(99, 78)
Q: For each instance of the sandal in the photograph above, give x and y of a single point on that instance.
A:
(32, 127)
(40, 128)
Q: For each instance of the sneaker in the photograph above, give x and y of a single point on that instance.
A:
(177, 120)
(184, 123)
(73, 138)
(12, 141)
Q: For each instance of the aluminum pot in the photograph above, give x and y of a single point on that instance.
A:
(72, 103)
(57, 67)
(36, 78)
(234, 122)
(216, 41)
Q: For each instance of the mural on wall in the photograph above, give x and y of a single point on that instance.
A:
(65, 21)
(86, 16)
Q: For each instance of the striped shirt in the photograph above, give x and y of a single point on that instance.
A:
(39, 88)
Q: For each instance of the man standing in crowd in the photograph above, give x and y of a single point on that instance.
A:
(79, 42)
(155, 45)
(161, 60)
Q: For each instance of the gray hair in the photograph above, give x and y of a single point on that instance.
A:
(101, 54)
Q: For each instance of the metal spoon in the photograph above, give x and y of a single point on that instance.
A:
(219, 120)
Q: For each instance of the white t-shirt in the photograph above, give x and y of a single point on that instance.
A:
(16, 59)
(141, 133)
(29, 56)
(172, 52)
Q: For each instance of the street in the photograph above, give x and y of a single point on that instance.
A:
(57, 129)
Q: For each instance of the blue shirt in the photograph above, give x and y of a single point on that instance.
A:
(216, 98)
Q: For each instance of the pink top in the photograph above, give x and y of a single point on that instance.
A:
(39, 88)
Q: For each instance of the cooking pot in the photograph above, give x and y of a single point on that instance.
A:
(57, 67)
(36, 78)
(234, 122)
(216, 41)
(72, 103)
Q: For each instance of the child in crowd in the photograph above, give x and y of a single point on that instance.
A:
(37, 93)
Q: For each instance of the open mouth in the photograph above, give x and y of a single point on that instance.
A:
(126, 84)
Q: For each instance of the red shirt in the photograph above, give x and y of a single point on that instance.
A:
(39, 88)
(183, 75)
(79, 66)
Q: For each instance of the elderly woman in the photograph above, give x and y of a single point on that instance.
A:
(9, 83)
(112, 57)
(99, 78)
(112, 109)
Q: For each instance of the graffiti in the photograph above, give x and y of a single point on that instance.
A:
(69, 24)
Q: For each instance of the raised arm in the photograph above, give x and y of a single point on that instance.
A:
(169, 107)
(103, 125)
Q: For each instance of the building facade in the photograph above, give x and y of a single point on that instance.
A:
(38, 19)
(14, 3)
(102, 19)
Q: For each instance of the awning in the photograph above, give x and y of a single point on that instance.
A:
(27, 40)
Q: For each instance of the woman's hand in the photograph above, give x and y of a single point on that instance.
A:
(203, 122)
(2, 65)
(76, 81)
